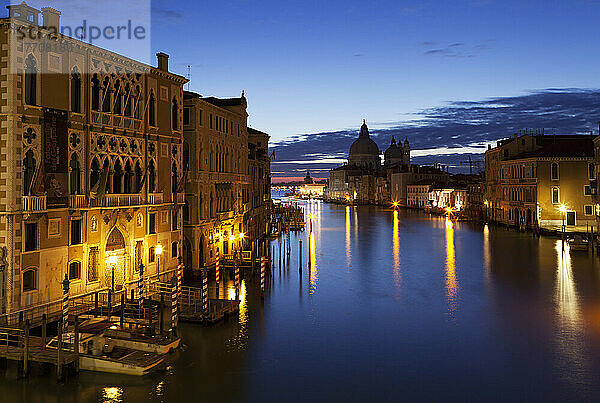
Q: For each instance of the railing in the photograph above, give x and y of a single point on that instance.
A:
(77, 201)
(225, 215)
(117, 200)
(10, 337)
(109, 119)
(155, 198)
(34, 203)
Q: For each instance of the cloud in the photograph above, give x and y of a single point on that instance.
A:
(449, 133)
(455, 49)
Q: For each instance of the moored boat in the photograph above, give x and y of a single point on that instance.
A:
(578, 242)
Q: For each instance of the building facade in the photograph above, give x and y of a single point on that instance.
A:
(90, 166)
(218, 185)
(542, 181)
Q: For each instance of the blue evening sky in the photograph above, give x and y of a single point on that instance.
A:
(315, 66)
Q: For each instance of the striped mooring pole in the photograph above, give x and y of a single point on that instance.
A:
(65, 304)
(141, 282)
(217, 264)
(175, 295)
(262, 273)
(205, 290)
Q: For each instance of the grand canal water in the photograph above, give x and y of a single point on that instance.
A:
(394, 306)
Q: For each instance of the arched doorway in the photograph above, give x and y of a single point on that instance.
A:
(517, 218)
(528, 218)
(115, 261)
(187, 253)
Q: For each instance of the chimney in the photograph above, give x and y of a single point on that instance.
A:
(51, 19)
(163, 61)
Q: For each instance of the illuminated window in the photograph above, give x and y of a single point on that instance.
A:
(554, 171)
(29, 280)
(151, 255)
(555, 198)
(74, 270)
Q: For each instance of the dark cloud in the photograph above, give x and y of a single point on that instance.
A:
(457, 124)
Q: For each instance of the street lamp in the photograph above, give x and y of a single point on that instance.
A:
(112, 260)
(158, 250)
(395, 204)
(486, 203)
(242, 235)
(563, 209)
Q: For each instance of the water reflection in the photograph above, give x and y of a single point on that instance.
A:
(451, 282)
(486, 253)
(348, 236)
(112, 395)
(396, 250)
(312, 270)
(569, 346)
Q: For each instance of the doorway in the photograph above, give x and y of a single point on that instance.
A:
(570, 218)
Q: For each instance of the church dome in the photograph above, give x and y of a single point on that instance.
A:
(393, 151)
(364, 145)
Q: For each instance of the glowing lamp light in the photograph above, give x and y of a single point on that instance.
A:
(158, 249)
(562, 208)
(486, 202)
(112, 259)
(232, 237)
(242, 235)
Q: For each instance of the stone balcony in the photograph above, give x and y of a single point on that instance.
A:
(77, 201)
(33, 203)
(118, 200)
(155, 198)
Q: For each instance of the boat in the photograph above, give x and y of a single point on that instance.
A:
(137, 340)
(578, 242)
(101, 354)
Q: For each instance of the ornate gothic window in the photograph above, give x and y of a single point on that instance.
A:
(30, 81)
(75, 91)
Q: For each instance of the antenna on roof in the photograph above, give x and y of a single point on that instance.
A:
(189, 76)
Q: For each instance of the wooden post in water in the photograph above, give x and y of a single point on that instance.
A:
(161, 308)
(59, 373)
(96, 304)
(109, 304)
(44, 324)
(122, 309)
(26, 349)
(300, 255)
(262, 275)
(76, 343)
(273, 258)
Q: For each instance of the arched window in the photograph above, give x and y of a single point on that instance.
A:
(117, 178)
(74, 270)
(174, 249)
(29, 164)
(138, 178)
(94, 172)
(151, 177)
(29, 279)
(152, 109)
(186, 212)
(128, 100)
(592, 171)
(186, 156)
(175, 114)
(75, 175)
(174, 178)
(95, 93)
(554, 170)
(118, 109)
(75, 91)
(106, 166)
(128, 179)
(106, 101)
(30, 81)
(138, 103)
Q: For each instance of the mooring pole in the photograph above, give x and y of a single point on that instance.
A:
(122, 309)
(262, 275)
(44, 324)
(76, 343)
(59, 352)
(26, 349)
(300, 255)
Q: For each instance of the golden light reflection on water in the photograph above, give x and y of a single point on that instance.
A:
(243, 313)
(314, 274)
(396, 250)
(566, 297)
(451, 282)
(486, 253)
(112, 395)
(569, 347)
(347, 235)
